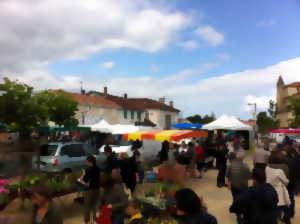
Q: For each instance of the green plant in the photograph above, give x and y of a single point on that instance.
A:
(4, 198)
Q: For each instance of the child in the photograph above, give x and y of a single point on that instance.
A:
(114, 198)
(134, 212)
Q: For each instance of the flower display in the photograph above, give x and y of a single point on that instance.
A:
(4, 182)
(3, 190)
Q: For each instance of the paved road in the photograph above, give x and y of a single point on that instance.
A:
(218, 201)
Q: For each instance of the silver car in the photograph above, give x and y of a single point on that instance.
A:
(66, 157)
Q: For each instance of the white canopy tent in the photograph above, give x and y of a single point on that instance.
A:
(117, 129)
(102, 126)
(227, 123)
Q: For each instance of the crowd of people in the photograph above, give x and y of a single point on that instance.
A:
(276, 180)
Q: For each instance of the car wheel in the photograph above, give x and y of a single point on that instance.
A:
(68, 170)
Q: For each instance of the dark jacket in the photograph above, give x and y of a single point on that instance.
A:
(221, 157)
(200, 218)
(92, 177)
(117, 198)
(53, 216)
(111, 163)
(258, 204)
(128, 170)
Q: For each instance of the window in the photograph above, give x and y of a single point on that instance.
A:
(132, 115)
(89, 150)
(74, 150)
(48, 150)
(125, 114)
(139, 116)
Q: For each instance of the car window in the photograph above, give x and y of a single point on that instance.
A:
(90, 150)
(48, 150)
(67, 151)
(77, 150)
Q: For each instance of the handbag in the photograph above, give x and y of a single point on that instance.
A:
(105, 217)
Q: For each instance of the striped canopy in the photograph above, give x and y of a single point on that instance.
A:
(167, 135)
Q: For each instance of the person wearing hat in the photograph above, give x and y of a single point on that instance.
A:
(189, 208)
(111, 164)
(45, 211)
(91, 181)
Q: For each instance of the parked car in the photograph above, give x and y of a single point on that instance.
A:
(66, 157)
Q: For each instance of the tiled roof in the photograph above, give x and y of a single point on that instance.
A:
(251, 123)
(139, 104)
(121, 101)
(85, 99)
(152, 104)
(294, 84)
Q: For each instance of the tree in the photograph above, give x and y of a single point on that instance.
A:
(197, 119)
(25, 111)
(294, 107)
(267, 120)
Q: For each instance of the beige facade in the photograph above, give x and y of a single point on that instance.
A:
(91, 114)
(283, 93)
(163, 119)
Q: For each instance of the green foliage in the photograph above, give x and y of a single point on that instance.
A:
(4, 198)
(24, 111)
(267, 120)
(13, 188)
(197, 119)
(294, 107)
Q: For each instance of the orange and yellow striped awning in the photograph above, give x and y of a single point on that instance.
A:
(164, 135)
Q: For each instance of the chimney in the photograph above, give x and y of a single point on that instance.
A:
(171, 104)
(162, 100)
(105, 91)
(125, 96)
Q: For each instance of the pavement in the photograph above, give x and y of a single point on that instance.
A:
(218, 202)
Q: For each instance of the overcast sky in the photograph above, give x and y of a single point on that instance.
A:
(205, 55)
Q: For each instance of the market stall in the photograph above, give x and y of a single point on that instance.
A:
(164, 135)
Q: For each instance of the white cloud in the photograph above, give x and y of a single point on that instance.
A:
(262, 102)
(189, 45)
(269, 22)
(155, 68)
(108, 64)
(210, 35)
(228, 93)
(37, 33)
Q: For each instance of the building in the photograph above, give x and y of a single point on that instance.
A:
(283, 93)
(145, 111)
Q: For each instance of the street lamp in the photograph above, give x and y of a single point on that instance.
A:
(255, 108)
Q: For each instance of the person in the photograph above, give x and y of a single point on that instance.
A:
(128, 171)
(189, 210)
(221, 157)
(279, 181)
(257, 204)
(261, 157)
(140, 169)
(45, 211)
(163, 154)
(172, 152)
(114, 198)
(182, 147)
(91, 182)
(111, 164)
(134, 212)
(238, 175)
(236, 143)
(190, 156)
(199, 158)
(286, 140)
